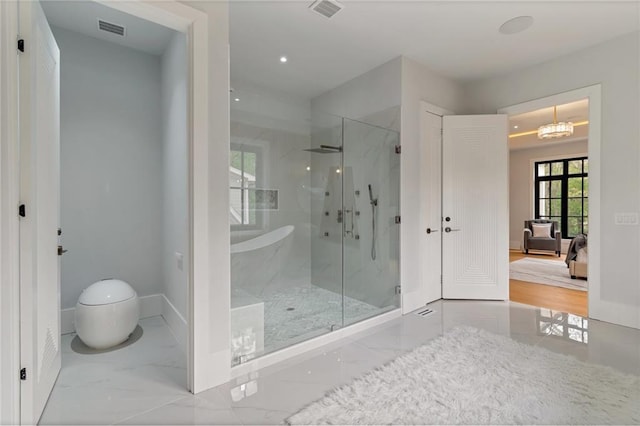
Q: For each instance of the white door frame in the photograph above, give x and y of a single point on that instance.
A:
(194, 24)
(598, 308)
(413, 300)
(9, 224)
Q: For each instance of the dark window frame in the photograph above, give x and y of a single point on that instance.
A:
(563, 178)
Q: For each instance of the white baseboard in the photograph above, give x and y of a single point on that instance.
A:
(150, 306)
(176, 322)
(515, 245)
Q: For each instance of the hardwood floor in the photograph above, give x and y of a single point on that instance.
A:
(562, 299)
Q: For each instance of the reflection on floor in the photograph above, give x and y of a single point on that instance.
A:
(147, 390)
(298, 313)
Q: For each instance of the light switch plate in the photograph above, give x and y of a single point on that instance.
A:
(626, 219)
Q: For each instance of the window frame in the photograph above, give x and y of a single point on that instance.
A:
(259, 215)
(564, 198)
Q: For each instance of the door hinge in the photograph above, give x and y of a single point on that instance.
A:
(398, 289)
(23, 374)
(22, 210)
(398, 149)
(397, 219)
(21, 45)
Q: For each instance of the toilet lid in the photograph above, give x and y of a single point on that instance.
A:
(105, 292)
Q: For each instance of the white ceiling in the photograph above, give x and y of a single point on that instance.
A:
(82, 17)
(457, 39)
(575, 112)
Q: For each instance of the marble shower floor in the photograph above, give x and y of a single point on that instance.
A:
(297, 313)
(116, 389)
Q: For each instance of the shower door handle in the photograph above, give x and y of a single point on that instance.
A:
(429, 230)
(448, 229)
(352, 224)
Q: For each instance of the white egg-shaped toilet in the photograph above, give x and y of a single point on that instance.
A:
(106, 314)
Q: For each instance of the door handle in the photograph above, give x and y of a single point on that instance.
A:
(448, 229)
(429, 230)
(61, 251)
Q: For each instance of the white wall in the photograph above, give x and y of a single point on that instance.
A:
(615, 65)
(174, 173)
(210, 317)
(418, 84)
(521, 174)
(111, 140)
(364, 96)
(266, 108)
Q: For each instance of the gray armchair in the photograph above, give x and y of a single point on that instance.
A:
(553, 242)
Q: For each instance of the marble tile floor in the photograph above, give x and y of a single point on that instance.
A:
(270, 395)
(294, 314)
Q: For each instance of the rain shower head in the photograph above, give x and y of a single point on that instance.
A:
(325, 149)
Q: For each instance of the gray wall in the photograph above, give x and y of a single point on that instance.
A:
(521, 181)
(174, 173)
(614, 65)
(110, 165)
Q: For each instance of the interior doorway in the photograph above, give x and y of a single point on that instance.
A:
(105, 162)
(552, 202)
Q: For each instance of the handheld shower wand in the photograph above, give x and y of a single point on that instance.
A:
(371, 200)
(374, 204)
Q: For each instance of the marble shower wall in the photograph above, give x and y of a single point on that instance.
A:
(369, 158)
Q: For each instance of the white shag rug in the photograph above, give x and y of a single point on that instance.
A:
(471, 376)
(545, 271)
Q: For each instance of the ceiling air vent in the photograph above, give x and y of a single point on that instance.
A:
(326, 8)
(110, 28)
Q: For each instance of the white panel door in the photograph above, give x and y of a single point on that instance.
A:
(475, 207)
(39, 191)
(430, 218)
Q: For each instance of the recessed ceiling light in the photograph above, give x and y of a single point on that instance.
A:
(516, 126)
(283, 59)
(237, 99)
(516, 25)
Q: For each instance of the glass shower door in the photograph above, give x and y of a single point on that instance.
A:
(371, 236)
(327, 220)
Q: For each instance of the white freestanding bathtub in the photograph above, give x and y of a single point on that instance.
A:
(255, 263)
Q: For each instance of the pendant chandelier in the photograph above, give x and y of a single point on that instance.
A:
(555, 129)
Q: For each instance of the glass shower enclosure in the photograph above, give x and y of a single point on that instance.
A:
(315, 239)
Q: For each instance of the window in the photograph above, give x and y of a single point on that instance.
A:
(244, 178)
(562, 194)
